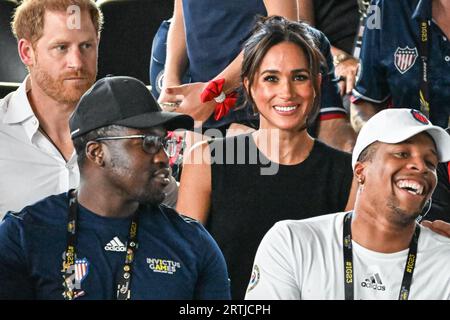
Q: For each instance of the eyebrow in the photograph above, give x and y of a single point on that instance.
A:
(277, 71)
(434, 151)
(65, 41)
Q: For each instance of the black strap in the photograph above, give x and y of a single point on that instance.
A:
(70, 289)
(348, 261)
(363, 11)
(73, 290)
(123, 286)
(348, 257)
(410, 265)
(424, 90)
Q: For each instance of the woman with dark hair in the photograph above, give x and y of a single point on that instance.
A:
(240, 186)
(204, 44)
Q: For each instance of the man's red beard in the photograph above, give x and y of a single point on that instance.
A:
(62, 90)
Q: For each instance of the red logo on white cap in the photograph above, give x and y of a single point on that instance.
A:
(419, 116)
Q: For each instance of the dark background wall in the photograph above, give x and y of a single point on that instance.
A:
(126, 40)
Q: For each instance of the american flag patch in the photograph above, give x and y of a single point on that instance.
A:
(81, 269)
(404, 58)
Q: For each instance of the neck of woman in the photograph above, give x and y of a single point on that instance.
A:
(284, 147)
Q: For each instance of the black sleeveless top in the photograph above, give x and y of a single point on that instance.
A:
(245, 204)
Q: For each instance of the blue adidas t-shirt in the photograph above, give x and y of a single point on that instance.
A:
(176, 258)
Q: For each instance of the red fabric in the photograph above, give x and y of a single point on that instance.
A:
(448, 170)
(213, 90)
(329, 116)
(222, 109)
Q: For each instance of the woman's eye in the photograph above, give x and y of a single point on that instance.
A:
(270, 78)
(301, 77)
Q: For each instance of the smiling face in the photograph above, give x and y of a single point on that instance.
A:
(64, 62)
(400, 178)
(282, 89)
(138, 175)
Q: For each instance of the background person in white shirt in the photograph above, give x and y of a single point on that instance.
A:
(59, 46)
(37, 157)
(396, 171)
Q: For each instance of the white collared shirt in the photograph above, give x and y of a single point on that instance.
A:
(31, 168)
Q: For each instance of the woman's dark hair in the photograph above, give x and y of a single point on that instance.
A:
(270, 31)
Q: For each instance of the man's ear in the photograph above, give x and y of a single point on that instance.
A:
(95, 153)
(359, 172)
(26, 52)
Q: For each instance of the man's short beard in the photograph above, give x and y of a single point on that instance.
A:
(153, 199)
(399, 216)
(146, 195)
(55, 88)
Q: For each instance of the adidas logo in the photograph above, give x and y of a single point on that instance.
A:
(373, 282)
(115, 245)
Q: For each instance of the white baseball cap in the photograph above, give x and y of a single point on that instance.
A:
(397, 125)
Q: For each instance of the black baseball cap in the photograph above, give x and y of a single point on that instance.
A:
(124, 101)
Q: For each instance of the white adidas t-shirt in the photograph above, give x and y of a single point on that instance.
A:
(303, 259)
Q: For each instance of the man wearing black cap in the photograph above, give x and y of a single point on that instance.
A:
(111, 239)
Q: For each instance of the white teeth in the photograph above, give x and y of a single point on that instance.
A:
(411, 186)
(285, 109)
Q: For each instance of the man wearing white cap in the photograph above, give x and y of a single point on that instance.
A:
(378, 250)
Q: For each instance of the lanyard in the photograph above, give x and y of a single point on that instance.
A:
(73, 291)
(348, 261)
(424, 90)
(363, 12)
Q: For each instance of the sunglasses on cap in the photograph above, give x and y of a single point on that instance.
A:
(151, 144)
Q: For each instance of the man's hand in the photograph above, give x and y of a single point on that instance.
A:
(347, 69)
(189, 95)
(438, 226)
(337, 133)
(361, 112)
